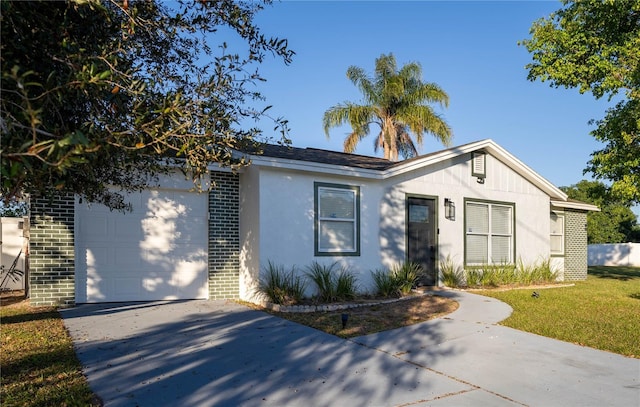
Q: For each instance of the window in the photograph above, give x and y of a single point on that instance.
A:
(557, 234)
(489, 236)
(337, 218)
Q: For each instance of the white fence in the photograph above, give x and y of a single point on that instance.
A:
(614, 254)
(14, 246)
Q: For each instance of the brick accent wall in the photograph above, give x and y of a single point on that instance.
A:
(575, 260)
(224, 236)
(51, 251)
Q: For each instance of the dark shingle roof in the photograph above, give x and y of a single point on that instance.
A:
(325, 157)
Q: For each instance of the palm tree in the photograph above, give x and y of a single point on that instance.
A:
(398, 102)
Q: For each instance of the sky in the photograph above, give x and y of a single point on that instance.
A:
(469, 48)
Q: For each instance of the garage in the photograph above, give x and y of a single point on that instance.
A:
(158, 251)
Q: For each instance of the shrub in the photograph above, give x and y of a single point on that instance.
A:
(508, 274)
(281, 287)
(452, 274)
(406, 276)
(490, 277)
(332, 283)
(386, 285)
(346, 285)
(494, 275)
(398, 281)
(323, 278)
(538, 273)
(473, 277)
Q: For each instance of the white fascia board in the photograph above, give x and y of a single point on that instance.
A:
(526, 171)
(309, 166)
(575, 205)
(431, 159)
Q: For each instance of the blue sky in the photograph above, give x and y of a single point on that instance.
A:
(468, 48)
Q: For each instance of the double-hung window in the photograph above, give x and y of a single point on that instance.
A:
(557, 234)
(489, 237)
(337, 220)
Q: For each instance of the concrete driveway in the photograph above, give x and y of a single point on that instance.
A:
(212, 353)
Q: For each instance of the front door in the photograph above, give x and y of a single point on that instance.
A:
(421, 237)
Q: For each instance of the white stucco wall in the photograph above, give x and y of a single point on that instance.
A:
(277, 218)
(284, 225)
(249, 232)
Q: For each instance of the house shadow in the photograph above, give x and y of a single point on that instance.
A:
(208, 353)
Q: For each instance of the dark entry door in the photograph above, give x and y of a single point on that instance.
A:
(421, 237)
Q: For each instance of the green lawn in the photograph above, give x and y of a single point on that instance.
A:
(39, 365)
(602, 312)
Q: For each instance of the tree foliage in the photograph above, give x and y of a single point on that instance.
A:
(397, 101)
(115, 92)
(594, 46)
(615, 223)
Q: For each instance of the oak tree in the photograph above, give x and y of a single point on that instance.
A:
(594, 46)
(100, 97)
(615, 223)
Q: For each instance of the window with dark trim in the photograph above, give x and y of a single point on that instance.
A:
(337, 219)
(489, 235)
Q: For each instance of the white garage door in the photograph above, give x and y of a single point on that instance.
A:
(156, 252)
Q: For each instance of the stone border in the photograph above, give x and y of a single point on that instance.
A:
(338, 306)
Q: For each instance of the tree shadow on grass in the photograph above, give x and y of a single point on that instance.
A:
(617, 273)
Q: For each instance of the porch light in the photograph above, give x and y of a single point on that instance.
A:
(449, 209)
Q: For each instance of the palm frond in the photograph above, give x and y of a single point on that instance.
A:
(399, 102)
(351, 142)
(335, 116)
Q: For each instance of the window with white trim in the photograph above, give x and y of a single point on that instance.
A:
(337, 218)
(557, 234)
(489, 237)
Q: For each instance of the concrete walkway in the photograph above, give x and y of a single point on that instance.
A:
(211, 353)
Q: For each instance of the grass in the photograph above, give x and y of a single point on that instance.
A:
(602, 312)
(375, 318)
(39, 364)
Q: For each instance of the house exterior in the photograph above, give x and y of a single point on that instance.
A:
(474, 203)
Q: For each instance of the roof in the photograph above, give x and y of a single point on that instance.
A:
(333, 162)
(325, 157)
(575, 204)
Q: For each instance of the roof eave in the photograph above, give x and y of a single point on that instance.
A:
(583, 206)
(310, 166)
